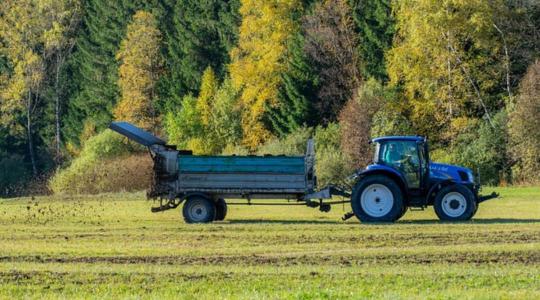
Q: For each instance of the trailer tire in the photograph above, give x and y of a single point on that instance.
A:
(377, 198)
(455, 203)
(198, 209)
(221, 209)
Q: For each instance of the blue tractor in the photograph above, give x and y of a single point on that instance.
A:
(402, 176)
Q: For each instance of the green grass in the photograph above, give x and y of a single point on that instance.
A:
(111, 246)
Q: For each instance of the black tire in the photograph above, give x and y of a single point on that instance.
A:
(221, 209)
(198, 209)
(403, 211)
(455, 203)
(373, 208)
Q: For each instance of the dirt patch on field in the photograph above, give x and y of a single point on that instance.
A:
(501, 257)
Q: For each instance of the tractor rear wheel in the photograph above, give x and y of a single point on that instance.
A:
(455, 203)
(403, 211)
(221, 209)
(377, 198)
(198, 209)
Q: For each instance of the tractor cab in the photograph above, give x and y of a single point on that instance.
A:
(407, 157)
(403, 176)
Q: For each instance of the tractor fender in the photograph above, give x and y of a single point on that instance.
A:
(389, 172)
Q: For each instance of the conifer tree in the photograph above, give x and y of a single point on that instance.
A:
(93, 67)
(297, 92)
(197, 34)
(376, 27)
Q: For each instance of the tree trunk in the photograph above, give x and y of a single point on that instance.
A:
(506, 62)
(29, 132)
(57, 108)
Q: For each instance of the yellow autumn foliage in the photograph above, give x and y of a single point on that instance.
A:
(209, 87)
(139, 71)
(258, 60)
(431, 60)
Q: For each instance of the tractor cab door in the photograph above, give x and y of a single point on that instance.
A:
(408, 158)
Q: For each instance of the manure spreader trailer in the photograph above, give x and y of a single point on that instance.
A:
(400, 177)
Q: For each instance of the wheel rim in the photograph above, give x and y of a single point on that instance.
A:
(377, 200)
(198, 212)
(454, 204)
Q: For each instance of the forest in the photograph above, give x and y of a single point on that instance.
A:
(261, 77)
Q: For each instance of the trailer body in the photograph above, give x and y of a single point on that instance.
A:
(244, 175)
(178, 174)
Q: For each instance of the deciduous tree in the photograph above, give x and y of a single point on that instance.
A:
(524, 122)
(449, 61)
(258, 61)
(331, 45)
(139, 71)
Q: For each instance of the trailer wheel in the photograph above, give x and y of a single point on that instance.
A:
(221, 209)
(377, 198)
(455, 203)
(198, 209)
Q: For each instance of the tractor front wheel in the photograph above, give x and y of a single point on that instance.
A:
(455, 203)
(377, 198)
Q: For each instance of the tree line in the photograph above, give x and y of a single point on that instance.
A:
(245, 76)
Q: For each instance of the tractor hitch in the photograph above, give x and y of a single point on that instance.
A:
(347, 216)
(487, 197)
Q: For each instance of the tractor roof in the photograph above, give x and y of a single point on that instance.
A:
(414, 138)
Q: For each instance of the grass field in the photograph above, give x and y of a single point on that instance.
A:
(111, 246)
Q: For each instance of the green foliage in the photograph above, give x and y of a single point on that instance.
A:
(297, 92)
(478, 146)
(184, 124)
(292, 144)
(99, 167)
(225, 125)
(375, 25)
(13, 174)
(249, 76)
(197, 34)
(207, 124)
(523, 127)
(93, 66)
(332, 164)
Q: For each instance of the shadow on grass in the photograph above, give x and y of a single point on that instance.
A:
(432, 221)
(257, 221)
(473, 221)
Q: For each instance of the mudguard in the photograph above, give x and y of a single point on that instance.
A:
(388, 171)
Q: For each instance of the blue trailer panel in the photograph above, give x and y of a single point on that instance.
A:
(242, 164)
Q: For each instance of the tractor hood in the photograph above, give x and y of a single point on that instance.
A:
(456, 173)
